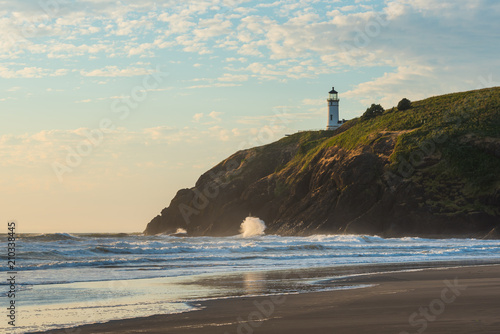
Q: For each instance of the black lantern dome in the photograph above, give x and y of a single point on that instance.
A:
(333, 95)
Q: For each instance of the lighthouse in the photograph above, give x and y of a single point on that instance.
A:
(333, 110)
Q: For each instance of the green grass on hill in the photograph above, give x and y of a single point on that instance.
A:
(434, 126)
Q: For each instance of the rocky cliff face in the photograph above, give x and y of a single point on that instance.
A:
(417, 172)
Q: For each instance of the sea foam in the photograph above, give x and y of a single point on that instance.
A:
(252, 226)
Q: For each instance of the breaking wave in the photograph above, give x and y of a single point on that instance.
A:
(251, 227)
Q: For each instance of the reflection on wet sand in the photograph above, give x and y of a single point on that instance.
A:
(254, 283)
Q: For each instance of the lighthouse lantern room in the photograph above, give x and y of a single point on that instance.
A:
(333, 110)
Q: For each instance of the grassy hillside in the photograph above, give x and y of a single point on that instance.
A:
(448, 144)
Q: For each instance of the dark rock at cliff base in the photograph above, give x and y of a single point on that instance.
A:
(430, 171)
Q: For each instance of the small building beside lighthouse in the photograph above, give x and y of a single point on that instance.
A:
(334, 121)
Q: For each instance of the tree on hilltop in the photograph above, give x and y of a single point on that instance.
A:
(404, 104)
(372, 112)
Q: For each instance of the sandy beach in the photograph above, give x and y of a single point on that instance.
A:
(449, 300)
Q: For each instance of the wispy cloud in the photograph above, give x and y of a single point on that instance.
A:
(114, 71)
(84, 101)
(30, 72)
(215, 85)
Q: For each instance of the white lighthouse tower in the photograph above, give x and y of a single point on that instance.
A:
(333, 110)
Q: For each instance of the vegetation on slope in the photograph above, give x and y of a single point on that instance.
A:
(448, 144)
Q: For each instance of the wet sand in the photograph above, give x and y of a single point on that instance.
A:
(451, 300)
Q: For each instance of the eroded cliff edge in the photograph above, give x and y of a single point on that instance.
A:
(432, 170)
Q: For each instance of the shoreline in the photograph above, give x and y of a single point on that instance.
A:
(386, 306)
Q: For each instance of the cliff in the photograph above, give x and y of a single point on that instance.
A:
(432, 170)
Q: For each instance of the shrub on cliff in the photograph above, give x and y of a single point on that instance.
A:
(372, 112)
(404, 104)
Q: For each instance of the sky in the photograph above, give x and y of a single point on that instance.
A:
(108, 108)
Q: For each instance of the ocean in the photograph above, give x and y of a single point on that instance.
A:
(71, 279)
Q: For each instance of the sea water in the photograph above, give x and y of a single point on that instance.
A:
(70, 279)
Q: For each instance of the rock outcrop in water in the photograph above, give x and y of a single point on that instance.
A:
(432, 171)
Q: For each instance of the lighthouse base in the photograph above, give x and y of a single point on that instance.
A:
(332, 127)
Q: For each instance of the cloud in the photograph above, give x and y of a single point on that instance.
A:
(160, 132)
(227, 77)
(215, 115)
(281, 71)
(197, 117)
(392, 87)
(114, 71)
(30, 72)
(178, 23)
(221, 133)
(233, 59)
(215, 85)
(208, 28)
(84, 101)
(141, 49)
